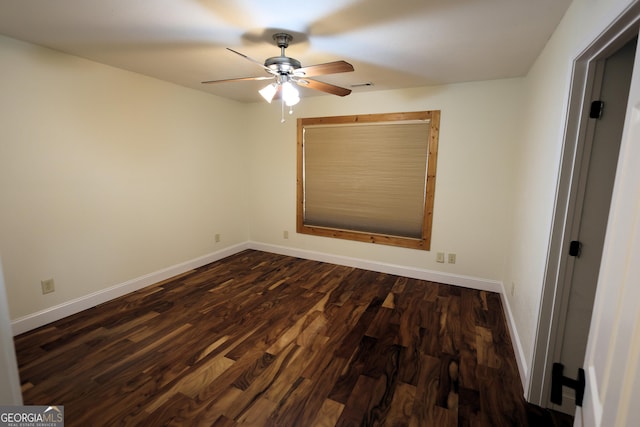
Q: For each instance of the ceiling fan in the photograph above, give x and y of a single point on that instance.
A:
(285, 71)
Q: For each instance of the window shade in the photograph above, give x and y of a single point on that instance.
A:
(366, 177)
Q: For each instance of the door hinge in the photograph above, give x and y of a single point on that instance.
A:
(596, 109)
(558, 380)
(575, 247)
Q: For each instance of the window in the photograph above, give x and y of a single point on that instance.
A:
(368, 177)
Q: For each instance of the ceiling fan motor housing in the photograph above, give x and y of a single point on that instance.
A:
(282, 64)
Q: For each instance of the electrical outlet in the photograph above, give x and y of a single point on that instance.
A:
(285, 234)
(217, 238)
(440, 257)
(452, 259)
(48, 286)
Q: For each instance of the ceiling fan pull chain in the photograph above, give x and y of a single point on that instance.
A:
(282, 110)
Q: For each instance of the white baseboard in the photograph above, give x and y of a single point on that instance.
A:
(380, 267)
(41, 318)
(523, 369)
(60, 311)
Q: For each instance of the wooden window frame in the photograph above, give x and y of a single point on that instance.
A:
(424, 242)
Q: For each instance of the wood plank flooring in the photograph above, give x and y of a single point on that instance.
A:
(260, 339)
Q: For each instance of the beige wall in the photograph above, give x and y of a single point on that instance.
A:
(479, 126)
(539, 150)
(107, 175)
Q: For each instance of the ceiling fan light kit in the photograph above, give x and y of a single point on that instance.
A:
(290, 94)
(289, 71)
(269, 91)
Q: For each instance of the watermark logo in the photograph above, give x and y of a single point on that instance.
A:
(31, 416)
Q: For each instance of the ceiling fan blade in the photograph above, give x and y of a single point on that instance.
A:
(251, 59)
(324, 87)
(240, 79)
(328, 68)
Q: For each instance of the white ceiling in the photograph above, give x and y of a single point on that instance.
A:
(392, 43)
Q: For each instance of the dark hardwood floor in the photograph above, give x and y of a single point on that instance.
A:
(262, 339)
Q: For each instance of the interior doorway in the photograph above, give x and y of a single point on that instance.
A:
(593, 199)
(582, 206)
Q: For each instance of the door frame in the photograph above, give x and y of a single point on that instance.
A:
(10, 392)
(585, 82)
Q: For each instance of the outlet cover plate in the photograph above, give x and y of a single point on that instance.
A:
(48, 286)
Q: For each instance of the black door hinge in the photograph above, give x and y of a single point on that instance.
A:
(575, 247)
(596, 109)
(558, 380)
